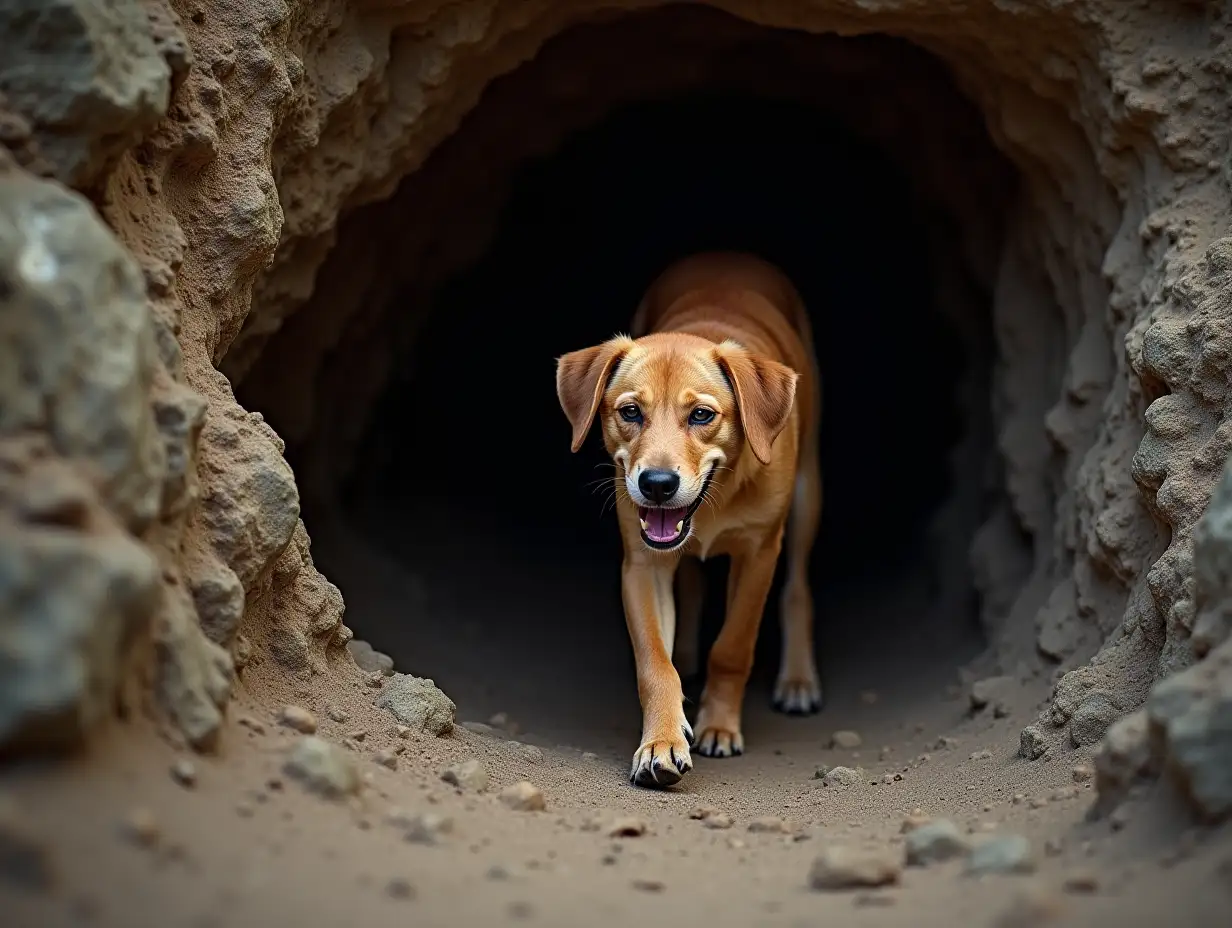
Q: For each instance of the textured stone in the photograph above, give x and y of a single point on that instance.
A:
(418, 703)
(322, 767)
(838, 867)
(934, 842)
(370, 660)
(1092, 719)
(1003, 854)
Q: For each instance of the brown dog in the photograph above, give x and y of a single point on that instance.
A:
(712, 419)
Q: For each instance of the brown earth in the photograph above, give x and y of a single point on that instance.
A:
(376, 223)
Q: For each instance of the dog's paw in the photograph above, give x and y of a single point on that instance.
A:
(661, 762)
(798, 696)
(719, 742)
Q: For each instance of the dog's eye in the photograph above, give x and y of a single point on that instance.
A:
(630, 413)
(701, 415)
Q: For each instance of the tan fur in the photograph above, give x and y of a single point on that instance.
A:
(707, 322)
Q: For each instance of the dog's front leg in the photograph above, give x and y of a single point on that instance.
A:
(650, 612)
(731, 657)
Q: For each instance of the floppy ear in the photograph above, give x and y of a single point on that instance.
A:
(765, 391)
(581, 377)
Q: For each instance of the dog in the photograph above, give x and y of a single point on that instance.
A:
(711, 412)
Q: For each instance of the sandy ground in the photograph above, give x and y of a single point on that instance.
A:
(128, 843)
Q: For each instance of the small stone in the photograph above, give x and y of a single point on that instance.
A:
(336, 715)
(985, 754)
(418, 703)
(400, 888)
(497, 872)
(1031, 743)
(589, 756)
(700, 813)
(946, 743)
(846, 740)
(386, 759)
(141, 827)
(426, 827)
(719, 821)
(1091, 719)
(531, 754)
(820, 772)
(523, 797)
(842, 776)
(1037, 802)
(402, 731)
(649, 886)
(468, 775)
(1081, 882)
(628, 827)
(1029, 910)
(368, 659)
(934, 843)
(299, 719)
(359, 734)
(1004, 854)
(838, 867)
(992, 692)
(184, 772)
(1083, 773)
(25, 859)
(772, 825)
(887, 779)
(322, 768)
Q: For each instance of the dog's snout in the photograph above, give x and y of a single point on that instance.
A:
(658, 486)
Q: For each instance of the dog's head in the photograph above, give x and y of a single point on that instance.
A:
(677, 411)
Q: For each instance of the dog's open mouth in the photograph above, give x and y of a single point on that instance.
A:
(665, 528)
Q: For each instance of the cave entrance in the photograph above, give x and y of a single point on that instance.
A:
(474, 548)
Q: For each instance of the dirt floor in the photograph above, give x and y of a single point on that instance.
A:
(142, 834)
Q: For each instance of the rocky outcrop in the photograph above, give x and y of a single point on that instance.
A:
(248, 166)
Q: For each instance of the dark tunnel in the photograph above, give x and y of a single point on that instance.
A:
(465, 476)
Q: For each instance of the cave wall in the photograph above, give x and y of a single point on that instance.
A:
(211, 150)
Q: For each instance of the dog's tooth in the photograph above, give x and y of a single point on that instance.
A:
(680, 526)
(644, 525)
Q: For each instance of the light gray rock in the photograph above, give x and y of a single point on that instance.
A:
(467, 775)
(842, 776)
(1092, 718)
(935, 842)
(838, 867)
(369, 659)
(418, 703)
(322, 767)
(1031, 743)
(1002, 854)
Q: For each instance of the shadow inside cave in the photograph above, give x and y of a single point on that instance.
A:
(474, 548)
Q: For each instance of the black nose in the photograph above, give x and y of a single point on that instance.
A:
(658, 486)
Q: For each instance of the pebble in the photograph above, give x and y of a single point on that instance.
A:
(523, 797)
(846, 740)
(1082, 882)
(141, 827)
(719, 821)
(322, 768)
(934, 843)
(184, 772)
(418, 703)
(497, 872)
(1083, 773)
(1031, 743)
(649, 886)
(838, 867)
(426, 827)
(369, 659)
(771, 824)
(531, 754)
(842, 776)
(628, 827)
(386, 759)
(400, 888)
(298, 719)
(25, 860)
(946, 743)
(468, 775)
(985, 754)
(1004, 854)
(589, 756)
(994, 692)
(699, 813)
(336, 715)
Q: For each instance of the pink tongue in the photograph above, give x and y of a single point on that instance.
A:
(661, 523)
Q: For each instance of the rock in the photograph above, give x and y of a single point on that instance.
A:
(1083, 773)
(935, 842)
(846, 740)
(984, 754)
(184, 772)
(25, 858)
(947, 743)
(531, 754)
(771, 824)
(842, 776)
(1092, 718)
(400, 888)
(141, 827)
(418, 703)
(1081, 882)
(649, 886)
(838, 867)
(322, 768)
(627, 827)
(467, 775)
(1031, 743)
(523, 797)
(370, 660)
(334, 714)
(1122, 759)
(298, 719)
(719, 821)
(1003, 854)
(426, 827)
(701, 813)
(88, 77)
(386, 759)
(992, 692)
